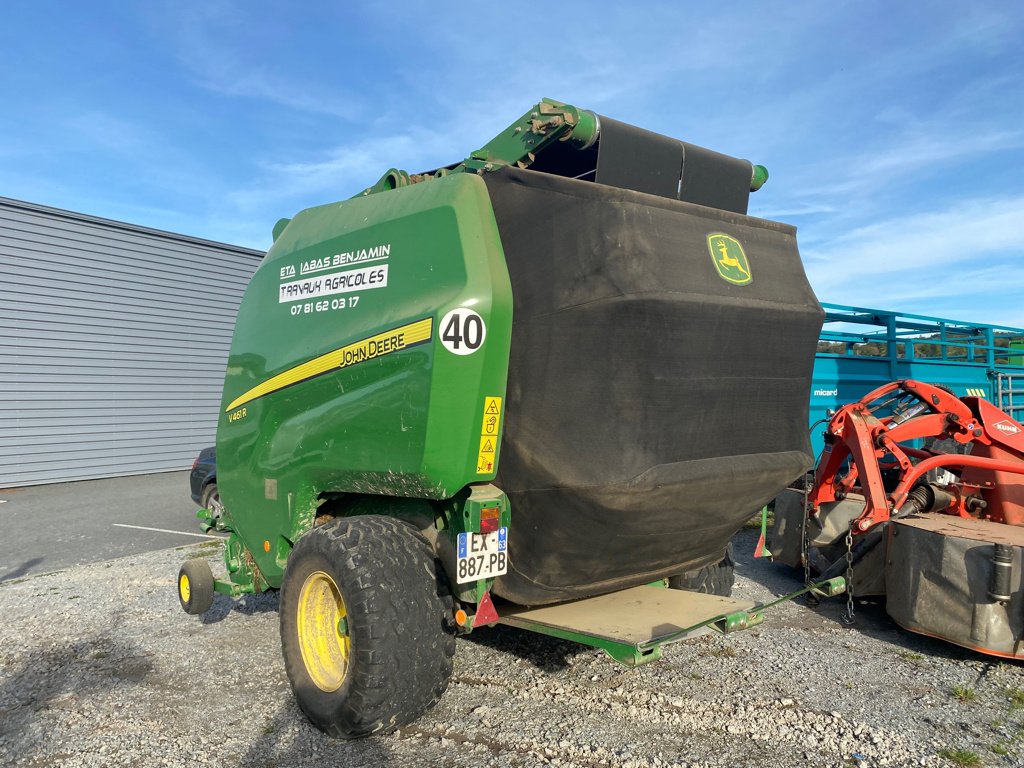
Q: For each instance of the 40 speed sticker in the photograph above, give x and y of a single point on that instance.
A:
(463, 331)
(482, 555)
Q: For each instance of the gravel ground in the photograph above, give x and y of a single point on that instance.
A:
(100, 667)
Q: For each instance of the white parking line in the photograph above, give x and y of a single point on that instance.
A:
(165, 530)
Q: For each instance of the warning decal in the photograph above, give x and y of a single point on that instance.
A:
(489, 436)
(358, 352)
(492, 413)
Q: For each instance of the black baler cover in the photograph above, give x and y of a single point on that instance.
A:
(652, 406)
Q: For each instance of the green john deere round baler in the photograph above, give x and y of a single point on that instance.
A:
(515, 389)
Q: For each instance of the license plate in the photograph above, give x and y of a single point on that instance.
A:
(482, 555)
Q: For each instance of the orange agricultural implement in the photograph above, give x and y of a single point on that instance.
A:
(919, 496)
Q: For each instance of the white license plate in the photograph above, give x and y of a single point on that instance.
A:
(482, 555)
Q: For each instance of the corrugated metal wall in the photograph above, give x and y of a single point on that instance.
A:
(113, 341)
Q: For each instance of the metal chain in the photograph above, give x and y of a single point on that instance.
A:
(803, 538)
(848, 617)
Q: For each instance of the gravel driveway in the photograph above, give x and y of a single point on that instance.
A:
(100, 667)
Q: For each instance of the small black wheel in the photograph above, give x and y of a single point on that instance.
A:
(365, 621)
(195, 586)
(714, 579)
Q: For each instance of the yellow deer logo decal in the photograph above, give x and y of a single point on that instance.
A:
(729, 259)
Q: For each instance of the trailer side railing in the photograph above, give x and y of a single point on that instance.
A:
(861, 348)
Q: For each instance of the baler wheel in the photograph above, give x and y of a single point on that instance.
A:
(714, 579)
(364, 634)
(195, 586)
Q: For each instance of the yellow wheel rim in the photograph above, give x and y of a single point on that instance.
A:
(184, 588)
(324, 648)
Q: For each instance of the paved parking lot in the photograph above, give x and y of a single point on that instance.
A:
(50, 527)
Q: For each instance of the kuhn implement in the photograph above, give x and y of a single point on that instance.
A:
(919, 496)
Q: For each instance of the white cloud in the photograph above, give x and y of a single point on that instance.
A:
(931, 152)
(210, 48)
(833, 198)
(345, 170)
(963, 261)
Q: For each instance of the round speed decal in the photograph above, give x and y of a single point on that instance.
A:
(463, 331)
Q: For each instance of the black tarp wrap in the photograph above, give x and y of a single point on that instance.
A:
(634, 158)
(652, 407)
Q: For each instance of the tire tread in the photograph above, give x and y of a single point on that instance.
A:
(401, 649)
(715, 579)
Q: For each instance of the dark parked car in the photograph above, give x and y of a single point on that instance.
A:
(203, 480)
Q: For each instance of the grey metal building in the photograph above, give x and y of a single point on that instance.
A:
(113, 341)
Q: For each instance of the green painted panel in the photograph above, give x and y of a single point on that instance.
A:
(339, 379)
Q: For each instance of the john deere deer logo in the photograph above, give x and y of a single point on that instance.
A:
(729, 259)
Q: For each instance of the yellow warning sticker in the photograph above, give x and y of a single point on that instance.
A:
(492, 416)
(489, 436)
(485, 458)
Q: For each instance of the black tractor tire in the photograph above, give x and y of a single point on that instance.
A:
(210, 499)
(714, 579)
(195, 586)
(393, 660)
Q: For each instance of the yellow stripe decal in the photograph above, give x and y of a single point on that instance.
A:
(357, 352)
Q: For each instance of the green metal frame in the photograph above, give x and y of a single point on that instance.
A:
(544, 123)
(460, 514)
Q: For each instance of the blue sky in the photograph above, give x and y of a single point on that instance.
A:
(894, 132)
